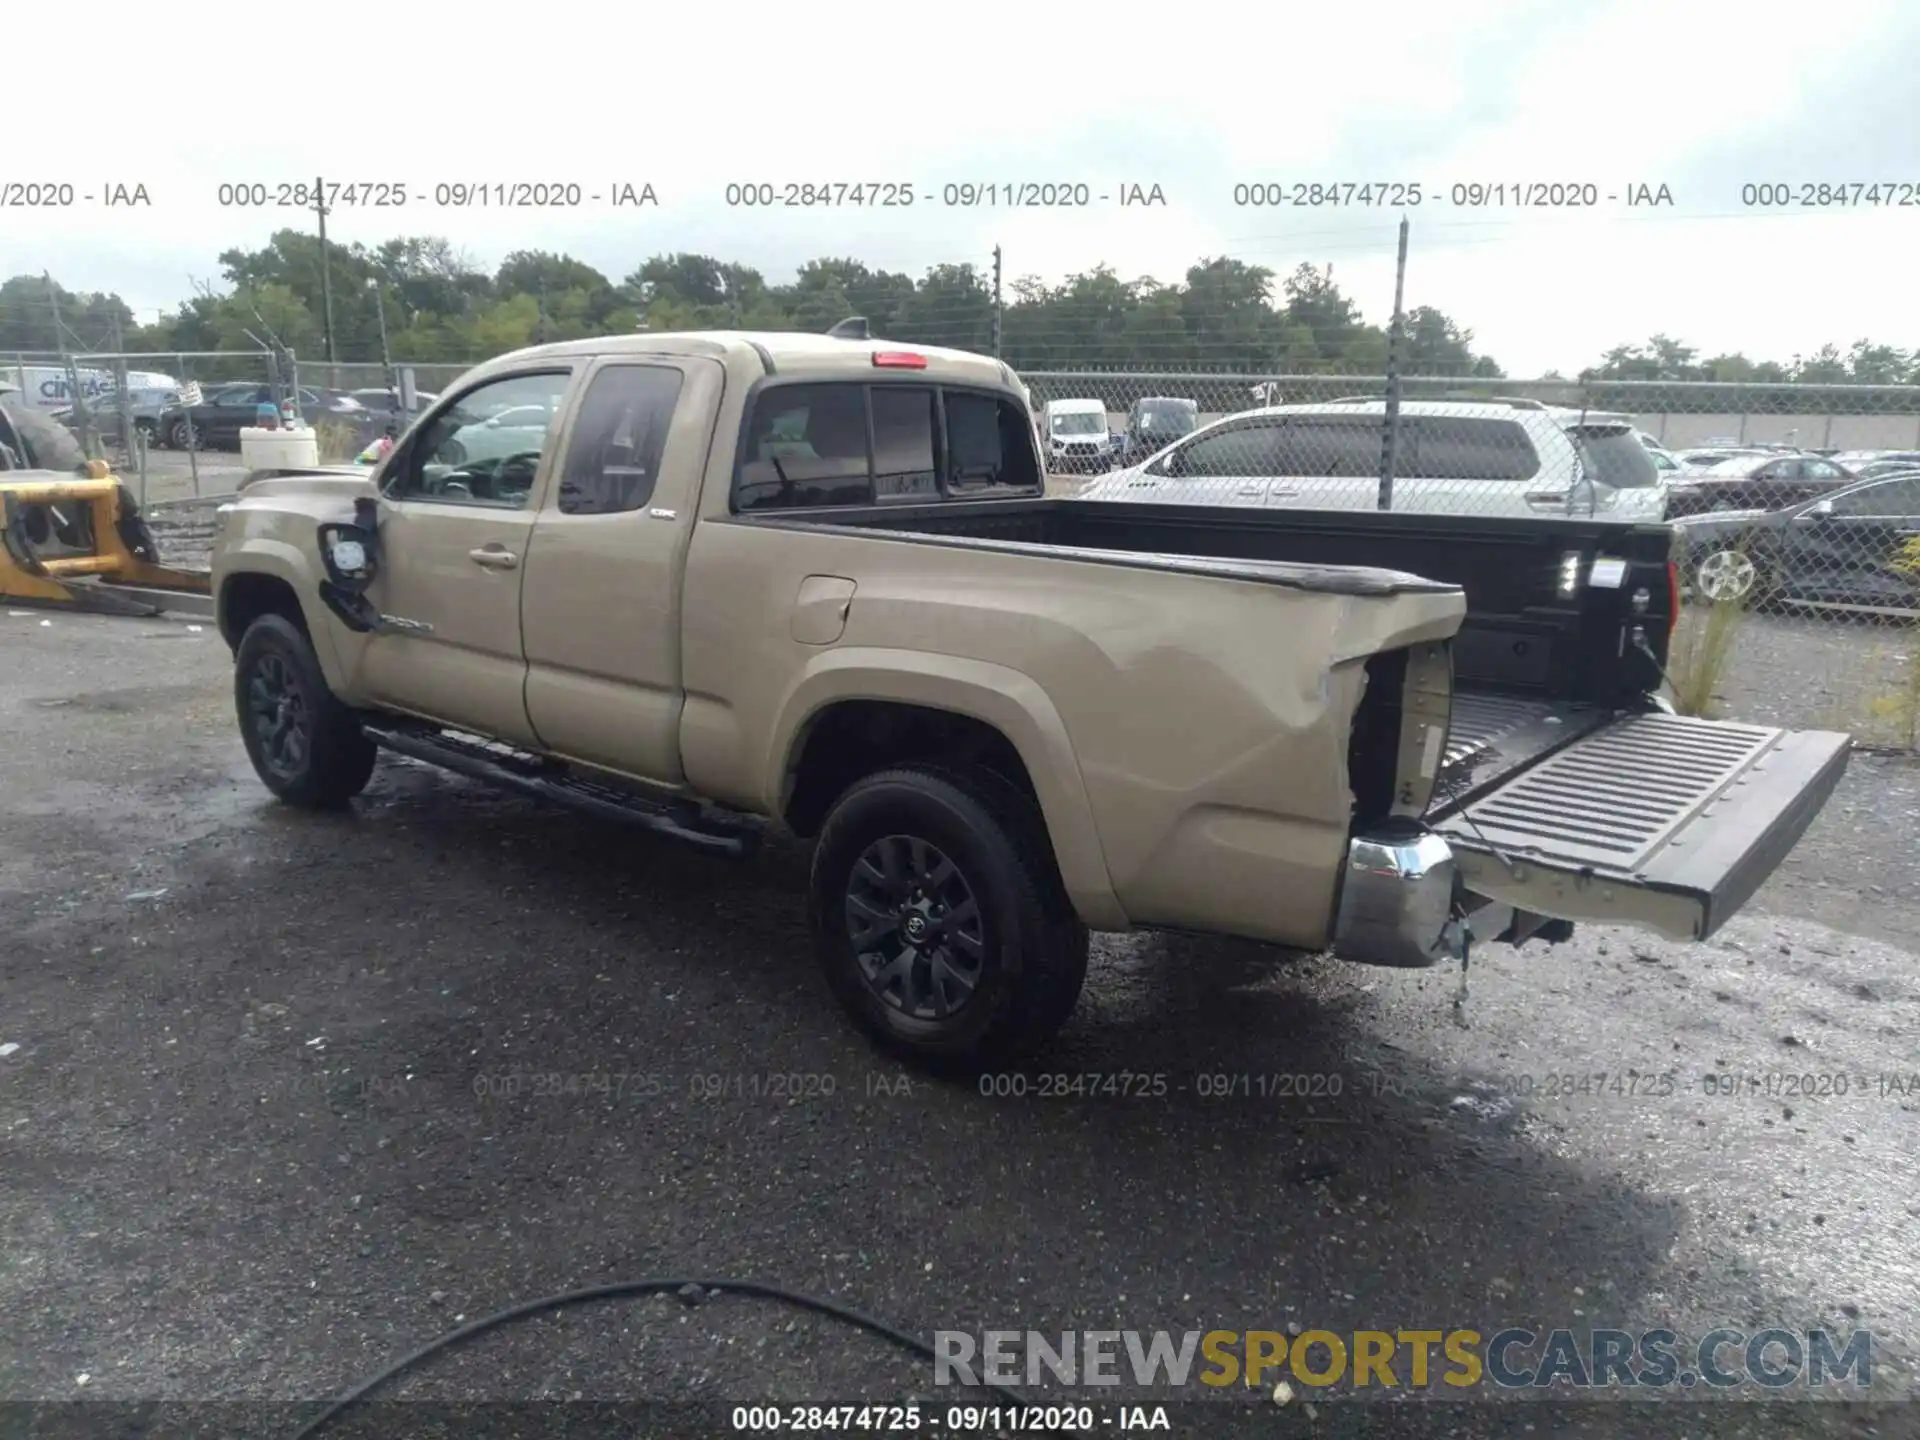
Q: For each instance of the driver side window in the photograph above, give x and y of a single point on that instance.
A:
(485, 448)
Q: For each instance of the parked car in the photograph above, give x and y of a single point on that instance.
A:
(811, 582)
(1891, 465)
(1154, 423)
(216, 423)
(1755, 482)
(463, 440)
(1077, 438)
(385, 403)
(147, 405)
(1452, 457)
(1854, 547)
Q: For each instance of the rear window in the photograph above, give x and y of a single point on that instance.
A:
(855, 444)
(1616, 458)
(1166, 417)
(1445, 447)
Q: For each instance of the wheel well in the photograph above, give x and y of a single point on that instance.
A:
(245, 598)
(857, 737)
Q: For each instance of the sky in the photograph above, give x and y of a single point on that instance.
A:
(1704, 97)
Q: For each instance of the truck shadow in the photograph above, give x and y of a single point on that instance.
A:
(1207, 1125)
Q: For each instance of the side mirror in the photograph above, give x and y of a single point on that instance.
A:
(350, 554)
(1819, 508)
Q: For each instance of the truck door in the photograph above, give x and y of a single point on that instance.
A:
(601, 604)
(457, 505)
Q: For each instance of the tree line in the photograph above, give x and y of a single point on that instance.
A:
(439, 305)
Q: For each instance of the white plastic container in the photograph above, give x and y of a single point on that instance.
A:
(279, 449)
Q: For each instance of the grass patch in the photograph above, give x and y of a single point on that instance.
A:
(338, 443)
(1703, 643)
(1900, 708)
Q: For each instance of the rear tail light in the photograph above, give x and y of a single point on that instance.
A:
(898, 360)
(1673, 597)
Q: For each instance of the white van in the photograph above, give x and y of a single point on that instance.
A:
(1451, 457)
(46, 387)
(1077, 436)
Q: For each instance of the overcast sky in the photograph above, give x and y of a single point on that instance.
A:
(1702, 96)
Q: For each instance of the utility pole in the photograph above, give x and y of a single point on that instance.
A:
(326, 279)
(1390, 429)
(996, 302)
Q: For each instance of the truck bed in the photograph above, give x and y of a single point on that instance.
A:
(1562, 786)
(1526, 636)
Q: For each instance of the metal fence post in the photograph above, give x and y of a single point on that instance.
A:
(1390, 421)
(193, 432)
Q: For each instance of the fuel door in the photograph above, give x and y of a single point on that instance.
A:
(821, 608)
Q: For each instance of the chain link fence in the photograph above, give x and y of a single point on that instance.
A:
(1796, 507)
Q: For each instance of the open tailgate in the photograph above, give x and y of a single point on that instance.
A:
(1655, 820)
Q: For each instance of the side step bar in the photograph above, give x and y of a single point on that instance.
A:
(690, 824)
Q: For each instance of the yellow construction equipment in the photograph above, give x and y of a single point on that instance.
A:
(83, 543)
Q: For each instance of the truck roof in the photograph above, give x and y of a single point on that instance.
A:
(779, 351)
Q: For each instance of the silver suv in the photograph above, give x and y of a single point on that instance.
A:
(1457, 457)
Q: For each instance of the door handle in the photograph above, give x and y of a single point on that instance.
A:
(1251, 490)
(493, 557)
(1277, 493)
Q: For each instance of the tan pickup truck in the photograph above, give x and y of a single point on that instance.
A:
(712, 582)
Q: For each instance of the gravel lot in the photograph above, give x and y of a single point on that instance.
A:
(273, 1119)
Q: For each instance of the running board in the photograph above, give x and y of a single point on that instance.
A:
(510, 769)
(1662, 821)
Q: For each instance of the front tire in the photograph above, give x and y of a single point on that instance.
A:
(305, 746)
(940, 920)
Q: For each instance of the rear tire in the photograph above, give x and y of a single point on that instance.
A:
(976, 959)
(306, 747)
(1730, 576)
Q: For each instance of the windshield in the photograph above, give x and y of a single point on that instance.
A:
(1616, 458)
(1084, 423)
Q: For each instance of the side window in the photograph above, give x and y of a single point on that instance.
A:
(1448, 448)
(1895, 499)
(1779, 470)
(1332, 447)
(613, 457)
(1819, 470)
(805, 445)
(1235, 452)
(903, 442)
(235, 395)
(988, 444)
(485, 448)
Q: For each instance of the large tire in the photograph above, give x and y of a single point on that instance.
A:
(978, 959)
(305, 746)
(49, 445)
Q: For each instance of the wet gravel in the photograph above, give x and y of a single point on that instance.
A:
(294, 1094)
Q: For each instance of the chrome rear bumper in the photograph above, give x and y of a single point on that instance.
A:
(1396, 897)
